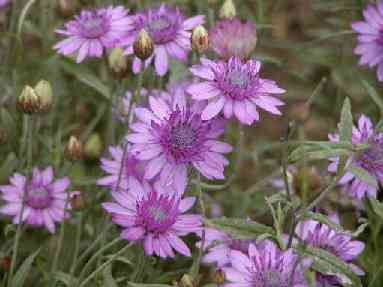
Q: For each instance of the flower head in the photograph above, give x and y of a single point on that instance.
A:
(264, 266)
(45, 198)
(233, 38)
(4, 3)
(370, 38)
(171, 136)
(236, 88)
(91, 32)
(339, 244)
(219, 245)
(131, 168)
(170, 32)
(155, 216)
(370, 159)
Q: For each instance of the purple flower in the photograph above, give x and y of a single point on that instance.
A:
(236, 88)
(232, 37)
(45, 198)
(370, 159)
(4, 3)
(155, 216)
(170, 33)
(264, 266)
(218, 246)
(171, 136)
(370, 39)
(339, 244)
(132, 168)
(91, 32)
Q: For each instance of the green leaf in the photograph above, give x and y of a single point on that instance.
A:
(377, 207)
(327, 263)
(346, 123)
(23, 271)
(360, 229)
(363, 175)
(314, 153)
(323, 219)
(132, 284)
(108, 277)
(86, 77)
(65, 278)
(374, 95)
(239, 228)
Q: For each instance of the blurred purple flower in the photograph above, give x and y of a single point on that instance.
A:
(218, 246)
(171, 136)
(232, 37)
(170, 33)
(45, 198)
(236, 88)
(370, 159)
(370, 38)
(4, 3)
(91, 32)
(132, 168)
(339, 244)
(155, 216)
(264, 266)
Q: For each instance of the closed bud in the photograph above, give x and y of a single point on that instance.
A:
(73, 149)
(44, 91)
(28, 102)
(200, 39)
(186, 281)
(143, 45)
(77, 201)
(118, 63)
(219, 277)
(93, 147)
(66, 8)
(227, 10)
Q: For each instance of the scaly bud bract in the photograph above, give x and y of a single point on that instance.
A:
(143, 45)
(200, 39)
(227, 10)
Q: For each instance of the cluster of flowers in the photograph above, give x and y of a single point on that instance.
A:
(178, 132)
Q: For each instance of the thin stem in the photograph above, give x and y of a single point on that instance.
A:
(29, 127)
(101, 267)
(76, 248)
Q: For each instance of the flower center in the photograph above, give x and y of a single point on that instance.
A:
(162, 28)
(157, 213)
(159, 24)
(182, 137)
(38, 198)
(371, 159)
(238, 79)
(93, 27)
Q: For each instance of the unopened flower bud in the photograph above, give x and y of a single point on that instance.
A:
(219, 277)
(43, 90)
(227, 10)
(93, 147)
(28, 102)
(73, 149)
(143, 45)
(200, 39)
(118, 63)
(77, 201)
(66, 8)
(186, 281)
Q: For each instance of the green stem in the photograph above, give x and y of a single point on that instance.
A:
(76, 248)
(29, 126)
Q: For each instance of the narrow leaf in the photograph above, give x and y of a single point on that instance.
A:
(108, 277)
(239, 228)
(377, 207)
(374, 95)
(346, 123)
(22, 273)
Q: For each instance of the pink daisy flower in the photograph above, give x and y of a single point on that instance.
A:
(4, 3)
(370, 38)
(171, 137)
(236, 88)
(232, 37)
(132, 168)
(155, 216)
(170, 32)
(45, 199)
(370, 159)
(91, 32)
